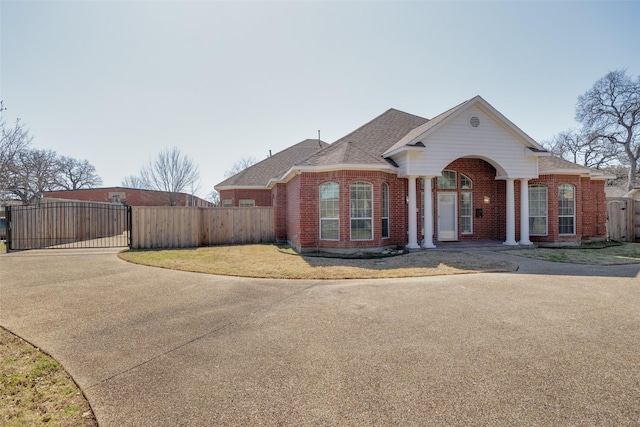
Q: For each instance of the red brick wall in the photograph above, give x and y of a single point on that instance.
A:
(293, 212)
(303, 226)
(492, 224)
(297, 207)
(590, 214)
(279, 197)
(132, 196)
(261, 197)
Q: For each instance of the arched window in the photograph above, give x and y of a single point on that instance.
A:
(361, 211)
(538, 210)
(465, 182)
(566, 209)
(330, 211)
(385, 210)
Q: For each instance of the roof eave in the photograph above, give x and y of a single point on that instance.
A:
(403, 149)
(296, 170)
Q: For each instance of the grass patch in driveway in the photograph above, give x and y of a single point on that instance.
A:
(35, 390)
(593, 254)
(282, 262)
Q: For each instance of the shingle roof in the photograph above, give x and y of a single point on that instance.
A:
(366, 144)
(549, 164)
(274, 166)
(414, 133)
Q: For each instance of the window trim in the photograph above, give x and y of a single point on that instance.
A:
(465, 177)
(440, 180)
(470, 215)
(250, 202)
(227, 201)
(573, 209)
(363, 218)
(385, 208)
(546, 210)
(322, 219)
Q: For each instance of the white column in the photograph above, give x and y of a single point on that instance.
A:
(427, 243)
(524, 212)
(511, 213)
(413, 215)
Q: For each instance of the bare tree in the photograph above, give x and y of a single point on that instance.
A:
(214, 198)
(14, 139)
(32, 173)
(240, 165)
(171, 172)
(75, 174)
(585, 149)
(610, 112)
(133, 181)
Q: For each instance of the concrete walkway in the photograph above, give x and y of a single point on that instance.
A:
(552, 344)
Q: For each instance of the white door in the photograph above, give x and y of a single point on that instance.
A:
(447, 216)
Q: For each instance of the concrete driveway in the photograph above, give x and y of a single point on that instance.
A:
(552, 344)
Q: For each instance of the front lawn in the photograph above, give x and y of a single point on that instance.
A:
(282, 262)
(594, 254)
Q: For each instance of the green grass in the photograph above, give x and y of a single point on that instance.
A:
(282, 262)
(603, 253)
(35, 390)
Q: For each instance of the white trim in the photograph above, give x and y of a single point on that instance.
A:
(485, 107)
(427, 200)
(511, 213)
(455, 216)
(297, 170)
(351, 218)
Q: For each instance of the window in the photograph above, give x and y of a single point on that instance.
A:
(566, 209)
(361, 212)
(385, 210)
(227, 203)
(537, 210)
(246, 203)
(466, 208)
(329, 211)
(465, 182)
(447, 181)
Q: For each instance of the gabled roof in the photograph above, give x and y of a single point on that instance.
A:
(366, 144)
(261, 173)
(413, 137)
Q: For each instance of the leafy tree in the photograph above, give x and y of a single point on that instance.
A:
(610, 113)
(76, 174)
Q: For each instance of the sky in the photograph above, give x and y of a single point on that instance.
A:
(116, 82)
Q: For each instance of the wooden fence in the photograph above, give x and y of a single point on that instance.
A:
(623, 219)
(189, 227)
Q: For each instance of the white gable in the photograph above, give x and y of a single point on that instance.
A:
(477, 131)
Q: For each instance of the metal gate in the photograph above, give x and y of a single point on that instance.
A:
(65, 225)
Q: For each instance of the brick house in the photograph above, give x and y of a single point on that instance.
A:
(129, 196)
(483, 177)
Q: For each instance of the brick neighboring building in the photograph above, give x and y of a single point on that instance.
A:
(483, 177)
(129, 196)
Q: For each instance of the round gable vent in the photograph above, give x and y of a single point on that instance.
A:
(474, 121)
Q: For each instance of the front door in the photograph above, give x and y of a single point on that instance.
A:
(447, 216)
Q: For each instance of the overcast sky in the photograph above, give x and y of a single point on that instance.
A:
(115, 82)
